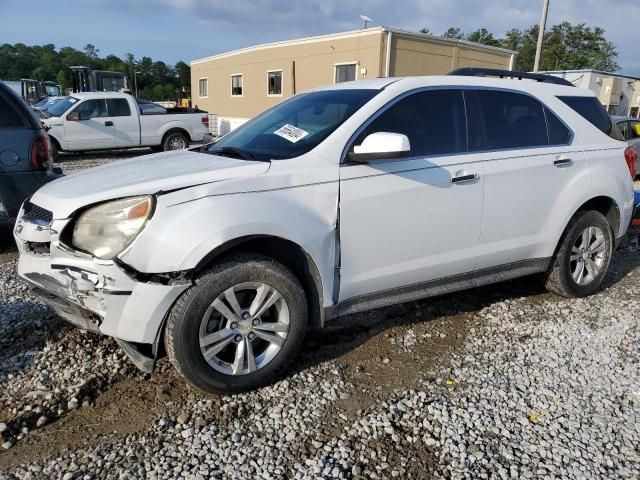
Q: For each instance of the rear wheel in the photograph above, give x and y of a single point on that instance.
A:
(583, 258)
(54, 151)
(175, 141)
(239, 326)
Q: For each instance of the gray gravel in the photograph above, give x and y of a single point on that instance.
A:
(539, 387)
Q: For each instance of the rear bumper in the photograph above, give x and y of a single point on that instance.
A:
(16, 187)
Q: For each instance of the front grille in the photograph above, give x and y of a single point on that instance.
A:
(35, 214)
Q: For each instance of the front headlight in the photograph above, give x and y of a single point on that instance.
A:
(107, 229)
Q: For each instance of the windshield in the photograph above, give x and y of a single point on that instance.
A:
(295, 126)
(61, 106)
(52, 90)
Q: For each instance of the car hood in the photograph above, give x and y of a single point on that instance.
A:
(139, 176)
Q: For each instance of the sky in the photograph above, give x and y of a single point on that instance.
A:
(172, 30)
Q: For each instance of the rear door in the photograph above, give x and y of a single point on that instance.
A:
(530, 159)
(126, 122)
(94, 129)
(405, 222)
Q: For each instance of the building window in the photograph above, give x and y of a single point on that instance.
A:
(236, 85)
(203, 87)
(633, 112)
(345, 72)
(274, 82)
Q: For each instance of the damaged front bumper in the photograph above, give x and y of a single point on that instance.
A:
(96, 295)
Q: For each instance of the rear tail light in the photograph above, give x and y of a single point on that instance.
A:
(630, 155)
(41, 153)
(205, 121)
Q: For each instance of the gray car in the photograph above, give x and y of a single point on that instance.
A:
(25, 154)
(630, 129)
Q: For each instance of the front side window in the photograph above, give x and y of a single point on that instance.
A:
(512, 120)
(622, 126)
(433, 121)
(236, 85)
(203, 87)
(274, 83)
(118, 107)
(345, 73)
(92, 109)
(293, 127)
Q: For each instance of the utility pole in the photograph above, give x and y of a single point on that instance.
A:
(543, 23)
(135, 81)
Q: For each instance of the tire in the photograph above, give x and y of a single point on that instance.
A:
(564, 277)
(175, 141)
(55, 151)
(194, 321)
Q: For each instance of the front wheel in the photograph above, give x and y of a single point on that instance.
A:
(175, 141)
(239, 326)
(583, 257)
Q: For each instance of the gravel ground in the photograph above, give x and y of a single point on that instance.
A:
(506, 381)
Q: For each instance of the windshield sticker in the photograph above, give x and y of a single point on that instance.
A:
(72, 100)
(291, 133)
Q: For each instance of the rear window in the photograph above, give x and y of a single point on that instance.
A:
(9, 117)
(592, 110)
(118, 107)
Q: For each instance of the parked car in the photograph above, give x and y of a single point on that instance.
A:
(630, 129)
(25, 156)
(112, 120)
(339, 200)
(32, 91)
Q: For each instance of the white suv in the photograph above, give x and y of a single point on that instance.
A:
(338, 200)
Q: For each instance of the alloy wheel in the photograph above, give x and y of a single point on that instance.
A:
(244, 328)
(588, 255)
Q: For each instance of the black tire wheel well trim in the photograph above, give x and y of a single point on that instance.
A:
(279, 249)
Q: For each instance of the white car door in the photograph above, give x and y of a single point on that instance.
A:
(126, 124)
(533, 174)
(406, 222)
(88, 127)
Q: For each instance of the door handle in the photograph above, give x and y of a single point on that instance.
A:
(108, 123)
(562, 162)
(464, 177)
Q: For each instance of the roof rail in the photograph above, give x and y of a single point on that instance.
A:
(493, 72)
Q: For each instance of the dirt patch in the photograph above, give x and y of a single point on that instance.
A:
(127, 407)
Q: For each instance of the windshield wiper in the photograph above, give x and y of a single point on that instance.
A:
(234, 152)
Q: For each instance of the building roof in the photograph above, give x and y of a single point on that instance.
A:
(357, 33)
(590, 70)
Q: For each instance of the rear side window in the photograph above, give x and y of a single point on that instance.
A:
(434, 121)
(512, 120)
(559, 134)
(592, 110)
(9, 117)
(118, 107)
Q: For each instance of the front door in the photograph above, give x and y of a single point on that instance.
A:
(94, 128)
(409, 221)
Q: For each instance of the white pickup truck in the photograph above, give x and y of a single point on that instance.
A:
(112, 120)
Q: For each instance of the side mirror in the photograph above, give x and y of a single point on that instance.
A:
(381, 146)
(73, 116)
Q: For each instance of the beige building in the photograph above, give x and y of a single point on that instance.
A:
(618, 93)
(240, 84)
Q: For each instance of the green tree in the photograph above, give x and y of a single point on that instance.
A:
(484, 37)
(453, 32)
